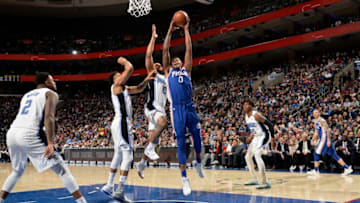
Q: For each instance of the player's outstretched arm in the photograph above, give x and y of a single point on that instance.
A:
(140, 87)
(128, 69)
(188, 44)
(262, 119)
(49, 121)
(166, 47)
(149, 61)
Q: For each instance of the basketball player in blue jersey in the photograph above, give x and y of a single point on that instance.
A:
(121, 127)
(182, 108)
(155, 105)
(322, 131)
(262, 130)
(32, 134)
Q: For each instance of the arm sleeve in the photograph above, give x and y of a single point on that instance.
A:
(270, 127)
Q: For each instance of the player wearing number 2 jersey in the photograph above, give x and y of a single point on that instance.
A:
(31, 135)
(182, 108)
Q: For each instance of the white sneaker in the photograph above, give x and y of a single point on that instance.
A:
(186, 186)
(121, 197)
(313, 173)
(108, 190)
(199, 168)
(140, 168)
(150, 152)
(347, 171)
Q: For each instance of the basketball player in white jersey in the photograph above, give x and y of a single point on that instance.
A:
(155, 105)
(325, 146)
(27, 138)
(261, 129)
(121, 126)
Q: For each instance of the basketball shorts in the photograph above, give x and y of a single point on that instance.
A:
(153, 116)
(26, 143)
(324, 149)
(258, 143)
(121, 133)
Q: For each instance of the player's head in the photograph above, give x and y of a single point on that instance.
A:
(176, 62)
(316, 113)
(113, 75)
(248, 105)
(44, 78)
(159, 68)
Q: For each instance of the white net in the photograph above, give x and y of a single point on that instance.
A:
(139, 8)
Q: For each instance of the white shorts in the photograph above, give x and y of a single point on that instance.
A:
(258, 143)
(121, 133)
(24, 143)
(153, 116)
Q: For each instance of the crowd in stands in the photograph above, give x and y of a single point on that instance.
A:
(4, 154)
(84, 119)
(109, 64)
(54, 40)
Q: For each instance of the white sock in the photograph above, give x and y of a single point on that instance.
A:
(111, 179)
(81, 200)
(122, 179)
(143, 161)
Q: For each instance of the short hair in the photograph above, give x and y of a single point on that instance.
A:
(41, 77)
(111, 77)
(250, 102)
(317, 109)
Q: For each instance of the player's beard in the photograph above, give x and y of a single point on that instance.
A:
(160, 72)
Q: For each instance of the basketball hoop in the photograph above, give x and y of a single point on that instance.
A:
(139, 8)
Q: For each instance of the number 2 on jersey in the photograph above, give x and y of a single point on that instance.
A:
(25, 110)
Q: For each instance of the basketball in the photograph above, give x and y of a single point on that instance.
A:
(180, 18)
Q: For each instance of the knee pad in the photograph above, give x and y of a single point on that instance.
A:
(126, 161)
(66, 177)
(316, 157)
(69, 182)
(60, 169)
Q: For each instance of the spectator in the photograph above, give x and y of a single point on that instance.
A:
(304, 154)
(283, 151)
(346, 150)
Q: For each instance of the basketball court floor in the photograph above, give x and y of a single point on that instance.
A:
(164, 185)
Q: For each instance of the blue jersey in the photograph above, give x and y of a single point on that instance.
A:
(179, 84)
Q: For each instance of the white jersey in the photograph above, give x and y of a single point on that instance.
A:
(122, 104)
(254, 126)
(31, 112)
(157, 91)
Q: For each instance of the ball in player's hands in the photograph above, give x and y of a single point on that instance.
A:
(181, 18)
